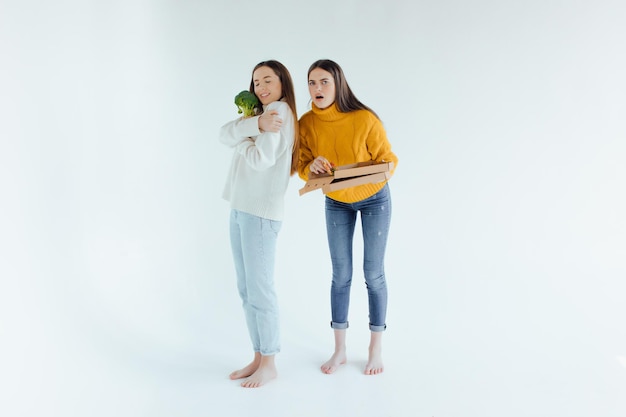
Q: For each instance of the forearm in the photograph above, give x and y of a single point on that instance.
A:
(237, 131)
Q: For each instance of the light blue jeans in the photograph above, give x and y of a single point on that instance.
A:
(253, 243)
(340, 224)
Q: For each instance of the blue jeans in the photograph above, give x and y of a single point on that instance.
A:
(340, 224)
(253, 243)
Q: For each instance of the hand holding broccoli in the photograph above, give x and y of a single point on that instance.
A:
(246, 103)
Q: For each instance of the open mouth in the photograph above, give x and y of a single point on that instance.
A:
(318, 97)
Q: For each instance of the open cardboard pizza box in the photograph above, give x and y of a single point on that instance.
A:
(348, 176)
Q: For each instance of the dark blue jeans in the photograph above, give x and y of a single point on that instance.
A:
(340, 224)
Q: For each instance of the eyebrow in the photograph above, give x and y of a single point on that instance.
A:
(321, 79)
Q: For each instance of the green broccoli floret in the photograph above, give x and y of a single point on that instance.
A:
(246, 103)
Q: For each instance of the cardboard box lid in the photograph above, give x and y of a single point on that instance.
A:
(351, 182)
(348, 176)
(362, 168)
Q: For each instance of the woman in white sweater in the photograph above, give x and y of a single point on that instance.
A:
(265, 156)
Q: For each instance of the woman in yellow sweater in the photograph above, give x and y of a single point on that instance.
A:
(340, 130)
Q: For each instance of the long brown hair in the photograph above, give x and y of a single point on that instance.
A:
(344, 97)
(289, 97)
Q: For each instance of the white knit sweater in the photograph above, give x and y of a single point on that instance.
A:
(259, 171)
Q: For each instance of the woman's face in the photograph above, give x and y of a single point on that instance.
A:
(267, 85)
(321, 88)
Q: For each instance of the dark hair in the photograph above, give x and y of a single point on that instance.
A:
(344, 97)
(289, 97)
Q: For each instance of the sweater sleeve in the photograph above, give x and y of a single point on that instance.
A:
(378, 145)
(305, 157)
(235, 132)
(262, 151)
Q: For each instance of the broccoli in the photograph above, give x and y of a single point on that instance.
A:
(246, 103)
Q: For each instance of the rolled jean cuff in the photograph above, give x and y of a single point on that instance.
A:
(269, 352)
(339, 326)
(378, 328)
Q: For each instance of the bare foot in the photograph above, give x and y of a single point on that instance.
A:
(261, 376)
(246, 371)
(335, 361)
(374, 363)
(375, 360)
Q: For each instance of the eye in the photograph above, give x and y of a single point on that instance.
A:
(311, 83)
(324, 82)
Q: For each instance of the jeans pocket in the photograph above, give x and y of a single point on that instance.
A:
(275, 225)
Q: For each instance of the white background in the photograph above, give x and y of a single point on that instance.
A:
(506, 259)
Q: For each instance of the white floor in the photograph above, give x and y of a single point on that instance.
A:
(77, 360)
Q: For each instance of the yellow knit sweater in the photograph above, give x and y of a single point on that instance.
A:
(343, 138)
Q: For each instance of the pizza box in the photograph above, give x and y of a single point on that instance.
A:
(348, 176)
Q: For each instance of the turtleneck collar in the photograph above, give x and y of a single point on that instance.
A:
(328, 114)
